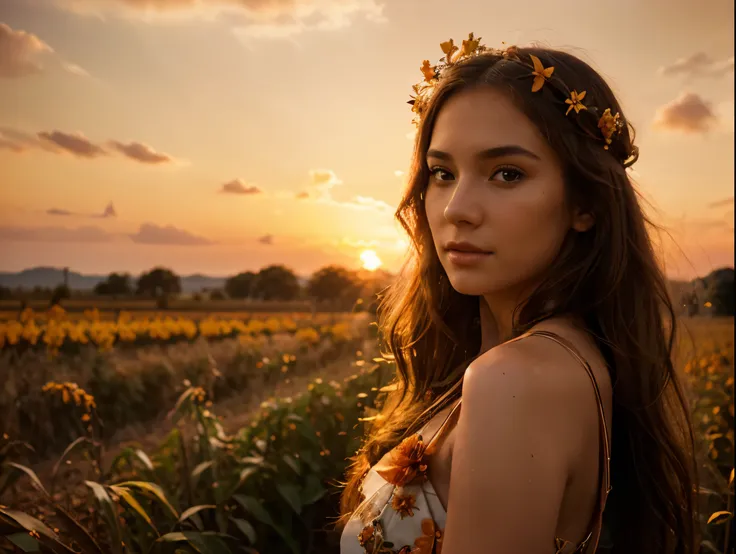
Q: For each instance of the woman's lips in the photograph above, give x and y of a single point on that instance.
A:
(467, 258)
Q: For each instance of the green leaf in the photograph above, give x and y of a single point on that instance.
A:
(143, 457)
(34, 478)
(719, 517)
(290, 493)
(244, 475)
(313, 490)
(67, 451)
(153, 489)
(29, 523)
(189, 512)
(207, 542)
(25, 542)
(109, 513)
(201, 467)
(254, 508)
(246, 528)
(292, 463)
(133, 503)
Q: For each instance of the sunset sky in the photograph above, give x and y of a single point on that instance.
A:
(216, 136)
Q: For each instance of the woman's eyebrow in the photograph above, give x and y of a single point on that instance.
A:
(495, 152)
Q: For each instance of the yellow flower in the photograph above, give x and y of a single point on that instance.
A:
(470, 45)
(404, 504)
(85, 417)
(448, 48)
(427, 71)
(541, 73)
(609, 124)
(575, 101)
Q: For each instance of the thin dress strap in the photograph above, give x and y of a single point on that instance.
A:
(605, 453)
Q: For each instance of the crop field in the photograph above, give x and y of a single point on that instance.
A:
(152, 432)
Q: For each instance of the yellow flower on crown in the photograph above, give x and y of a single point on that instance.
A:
(427, 70)
(448, 48)
(470, 45)
(609, 124)
(575, 101)
(541, 73)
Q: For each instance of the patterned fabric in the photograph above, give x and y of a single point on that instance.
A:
(401, 513)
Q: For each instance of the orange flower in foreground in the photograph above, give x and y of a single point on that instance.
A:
(432, 536)
(404, 504)
(405, 462)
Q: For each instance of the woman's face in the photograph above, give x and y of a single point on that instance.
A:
(496, 185)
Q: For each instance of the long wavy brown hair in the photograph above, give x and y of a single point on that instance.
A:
(609, 276)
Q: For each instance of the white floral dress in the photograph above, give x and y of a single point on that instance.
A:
(402, 514)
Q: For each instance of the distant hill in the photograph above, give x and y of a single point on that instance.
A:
(49, 277)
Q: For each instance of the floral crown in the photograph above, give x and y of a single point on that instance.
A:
(609, 124)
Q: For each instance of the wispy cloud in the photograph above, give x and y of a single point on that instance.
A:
(698, 64)
(688, 113)
(20, 52)
(74, 143)
(321, 183)
(266, 239)
(77, 144)
(109, 211)
(238, 186)
(141, 152)
(151, 233)
(55, 234)
(252, 19)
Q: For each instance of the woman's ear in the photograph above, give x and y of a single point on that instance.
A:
(583, 222)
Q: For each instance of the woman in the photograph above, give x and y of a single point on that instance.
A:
(533, 302)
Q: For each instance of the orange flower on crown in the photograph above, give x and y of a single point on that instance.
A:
(427, 71)
(431, 540)
(405, 462)
(448, 48)
(609, 124)
(470, 45)
(575, 101)
(541, 73)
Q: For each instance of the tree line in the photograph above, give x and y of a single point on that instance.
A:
(332, 285)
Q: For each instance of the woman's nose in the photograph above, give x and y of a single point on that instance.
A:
(464, 206)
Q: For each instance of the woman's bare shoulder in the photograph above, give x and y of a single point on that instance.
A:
(538, 377)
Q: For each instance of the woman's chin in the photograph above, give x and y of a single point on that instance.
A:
(471, 285)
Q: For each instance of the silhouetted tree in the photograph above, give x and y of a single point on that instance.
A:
(334, 284)
(116, 284)
(275, 282)
(217, 294)
(159, 282)
(241, 285)
(719, 285)
(60, 293)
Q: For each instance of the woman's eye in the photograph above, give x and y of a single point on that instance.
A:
(440, 174)
(509, 174)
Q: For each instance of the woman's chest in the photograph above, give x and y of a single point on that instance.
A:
(439, 465)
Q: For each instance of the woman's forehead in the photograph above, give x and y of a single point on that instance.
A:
(483, 118)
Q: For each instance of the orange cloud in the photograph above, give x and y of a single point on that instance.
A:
(266, 239)
(20, 52)
(697, 65)
(55, 234)
(141, 152)
(78, 145)
(150, 233)
(272, 19)
(238, 186)
(689, 113)
(74, 143)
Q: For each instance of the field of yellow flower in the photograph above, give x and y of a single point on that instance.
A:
(56, 332)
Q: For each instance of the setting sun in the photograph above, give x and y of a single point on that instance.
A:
(370, 259)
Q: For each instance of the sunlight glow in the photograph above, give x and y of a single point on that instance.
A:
(370, 259)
